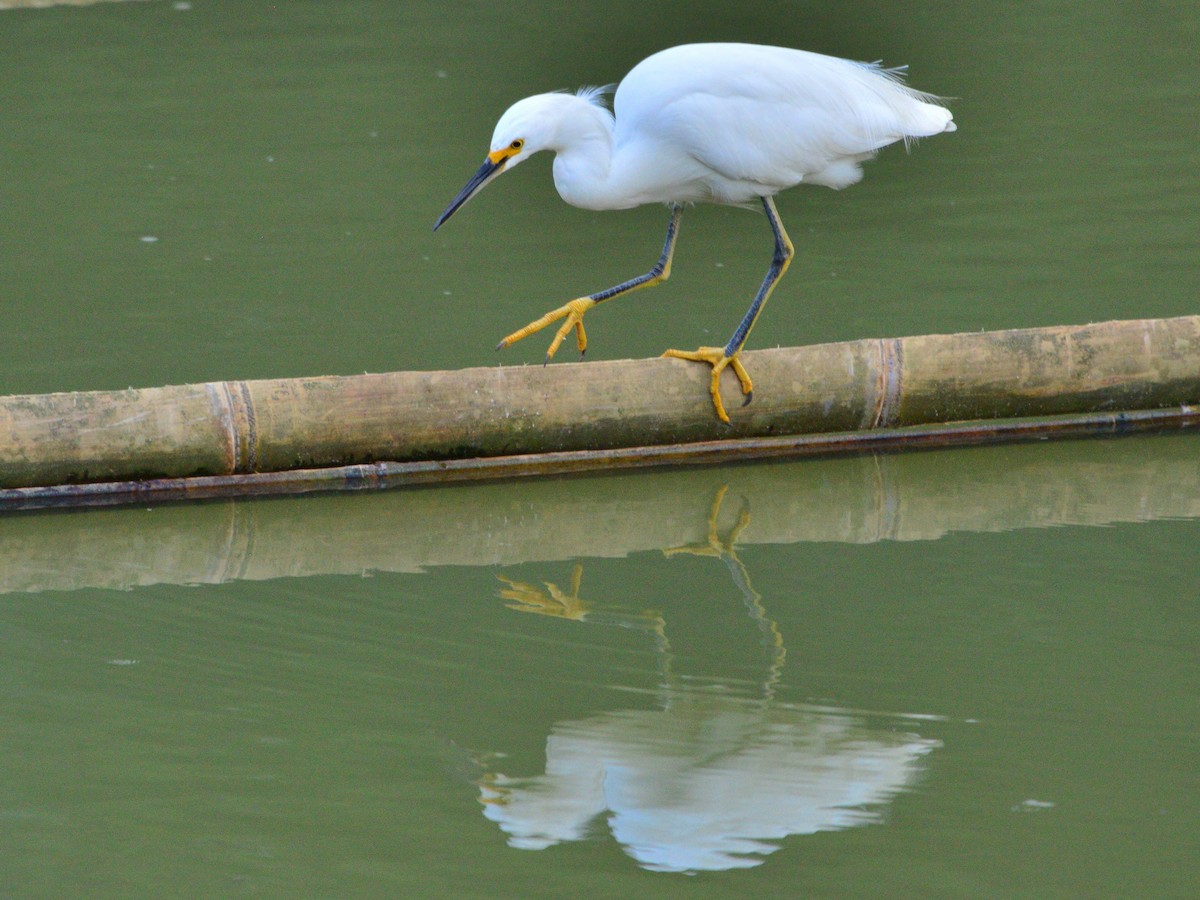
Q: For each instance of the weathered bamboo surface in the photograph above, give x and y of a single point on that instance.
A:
(227, 428)
(377, 475)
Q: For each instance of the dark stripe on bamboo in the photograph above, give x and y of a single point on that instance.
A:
(394, 475)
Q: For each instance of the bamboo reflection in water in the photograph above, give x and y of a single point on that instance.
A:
(861, 500)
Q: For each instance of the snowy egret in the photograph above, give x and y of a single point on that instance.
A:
(730, 124)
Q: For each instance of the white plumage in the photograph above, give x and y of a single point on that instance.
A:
(725, 123)
(717, 123)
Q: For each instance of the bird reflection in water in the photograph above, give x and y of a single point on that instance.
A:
(711, 779)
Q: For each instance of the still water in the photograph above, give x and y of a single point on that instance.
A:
(966, 674)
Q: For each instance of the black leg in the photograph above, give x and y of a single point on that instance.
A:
(779, 264)
(574, 310)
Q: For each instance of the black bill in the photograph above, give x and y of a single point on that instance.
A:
(478, 182)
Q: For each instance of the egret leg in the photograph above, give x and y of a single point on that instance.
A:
(573, 311)
(721, 358)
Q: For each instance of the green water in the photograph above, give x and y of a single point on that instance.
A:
(953, 674)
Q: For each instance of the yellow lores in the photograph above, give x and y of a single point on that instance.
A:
(730, 124)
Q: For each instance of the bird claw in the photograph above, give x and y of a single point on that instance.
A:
(572, 312)
(715, 357)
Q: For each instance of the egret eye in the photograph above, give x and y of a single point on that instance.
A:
(517, 144)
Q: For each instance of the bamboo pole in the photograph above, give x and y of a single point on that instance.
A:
(366, 476)
(233, 428)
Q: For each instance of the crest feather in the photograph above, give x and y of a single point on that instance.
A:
(594, 94)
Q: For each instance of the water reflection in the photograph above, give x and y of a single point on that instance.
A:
(710, 779)
(705, 781)
(920, 496)
(725, 549)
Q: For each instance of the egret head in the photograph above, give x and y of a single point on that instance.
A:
(527, 126)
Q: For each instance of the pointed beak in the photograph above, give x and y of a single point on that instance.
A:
(492, 166)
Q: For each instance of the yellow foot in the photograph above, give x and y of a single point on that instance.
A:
(715, 357)
(551, 602)
(572, 312)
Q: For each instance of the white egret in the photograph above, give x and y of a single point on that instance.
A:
(708, 123)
